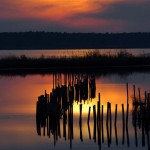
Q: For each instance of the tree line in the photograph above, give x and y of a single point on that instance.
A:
(58, 40)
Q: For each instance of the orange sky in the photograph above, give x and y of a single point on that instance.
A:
(81, 15)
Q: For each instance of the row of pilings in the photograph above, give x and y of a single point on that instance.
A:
(58, 104)
(50, 111)
(141, 115)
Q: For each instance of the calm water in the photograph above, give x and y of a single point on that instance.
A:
(24, 123)
(69, 52)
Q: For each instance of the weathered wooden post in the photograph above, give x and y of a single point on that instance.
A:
(80, 123)
(110, 126)
(94, 115)
(89, 131)
(98, 110)
(127, 114)
(89, 115)
(134, 93)
(145, 98)
(115, 125)
(123, 122)
(108, 123)
(127, 93)
(102, 124)
(115, 115)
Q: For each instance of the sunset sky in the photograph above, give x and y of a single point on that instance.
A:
(75, 15)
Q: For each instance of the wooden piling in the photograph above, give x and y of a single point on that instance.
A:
(53, 81)
(127, 133)
(123, 123)
(107, 113)
(80, 119)
(98, 113)
(99, 122)
(94, 116)
(115, 115)
(145, 98)
(89, 115)
(98, 110)
(49, 135)
(115, 125)
(99, 97)
(127, 114)
(72, 122)
(110, 126)
(102, 125)
(89, 131)
(148, 100)
(64, 123)
(108, 123)
(135, 131)
(134, 93)
(80, 123)
(139, 95)
(68, 124)
(140, 99)
(116, 135)
(143, 127)
(44, 130)
(148, 143)
(47, 125)
(127, 93)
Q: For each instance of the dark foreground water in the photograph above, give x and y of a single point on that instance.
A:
(59, 119)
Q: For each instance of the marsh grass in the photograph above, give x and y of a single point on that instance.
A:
(93, 59)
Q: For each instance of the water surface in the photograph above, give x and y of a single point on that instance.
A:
(18, 114)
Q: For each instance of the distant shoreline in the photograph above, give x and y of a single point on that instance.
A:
(57, 40)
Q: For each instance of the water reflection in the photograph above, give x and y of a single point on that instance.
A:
(57, 107)
(59, 104)
(141, 117)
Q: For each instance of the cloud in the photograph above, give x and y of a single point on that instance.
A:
(43, 7)
(120, 11)
(20, 25)
(97, 16)
(134, 16)
(127, 11)
(32, 24)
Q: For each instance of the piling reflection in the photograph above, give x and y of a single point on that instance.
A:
(141, 117)
(57, 106)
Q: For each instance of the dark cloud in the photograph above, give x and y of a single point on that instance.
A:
(134, 16)
(120, 11)
(20, 25)
(126, 11)
(33, 25)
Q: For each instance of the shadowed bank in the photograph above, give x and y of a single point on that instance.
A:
(93, 61)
